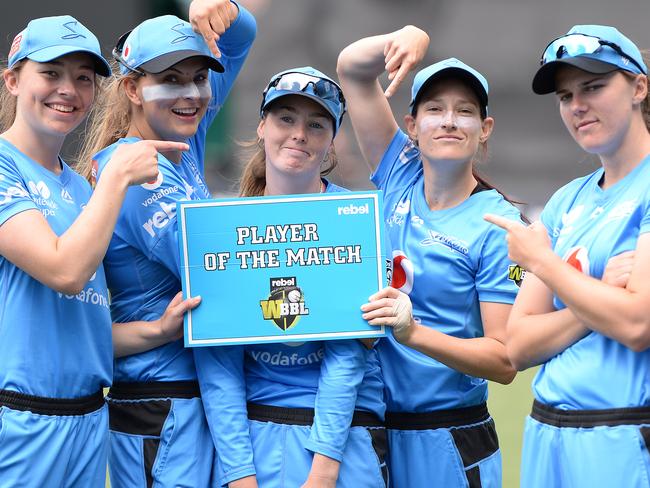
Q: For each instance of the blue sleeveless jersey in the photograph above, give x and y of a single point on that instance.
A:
(51, 344)
(333, 377)
(588, 226)
(447, 261)
(143, 262)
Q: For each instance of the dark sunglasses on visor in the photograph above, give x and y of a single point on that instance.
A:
(577, 44)
(118, 54)
(300, 82)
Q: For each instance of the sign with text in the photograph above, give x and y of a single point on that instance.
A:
(281, 269)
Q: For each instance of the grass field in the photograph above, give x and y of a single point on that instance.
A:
(509, 406)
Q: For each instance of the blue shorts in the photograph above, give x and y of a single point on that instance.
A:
(159, 436)
(444, 449)
(53, 442)
(594, 448)
(281, 461)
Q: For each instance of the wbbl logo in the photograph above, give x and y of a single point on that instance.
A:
(285, 304)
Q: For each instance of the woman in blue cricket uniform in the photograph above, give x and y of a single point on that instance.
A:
(55, 339)
(171, 86)
(314, 416)
(590, 422)
(451, 264)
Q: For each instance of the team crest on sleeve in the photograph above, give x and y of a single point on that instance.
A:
(402, 277)
(285, 304)
(516, 274)
(578, 257)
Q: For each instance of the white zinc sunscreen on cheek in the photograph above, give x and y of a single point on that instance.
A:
(167, 91)
(429, 122)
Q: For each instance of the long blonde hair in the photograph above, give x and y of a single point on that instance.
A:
(109, 121)
(253, 179)
(8, 101)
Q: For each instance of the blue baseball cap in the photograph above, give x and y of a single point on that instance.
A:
(159, 43)
(592, 48)
(450, 67)
(310, 83)
(48, 38)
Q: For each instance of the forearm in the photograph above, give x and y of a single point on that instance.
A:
(135, 337)
(363, 60)
(533, 339)
(618, 313)
(245, 482)
(324, 471)
(483, 357)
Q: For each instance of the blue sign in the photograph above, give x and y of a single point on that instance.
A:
(281, 269)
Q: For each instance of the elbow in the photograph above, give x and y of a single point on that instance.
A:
(343, 64)
(639, 339)
(518, 359)
(505, 375)
(69, 285)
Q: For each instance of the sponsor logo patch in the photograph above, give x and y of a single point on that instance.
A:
(516, 274)
(285, 303)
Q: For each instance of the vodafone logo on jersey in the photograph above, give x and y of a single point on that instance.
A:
(152, 185)
(402, 272)
(578, 257)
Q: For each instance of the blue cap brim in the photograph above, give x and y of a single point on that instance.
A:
(47, 54)
(544, 80)
(455, 72)
(167, 60)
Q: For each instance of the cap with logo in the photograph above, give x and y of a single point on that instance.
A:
(159, 43)
(48, 38)
(308, 82)
(592, 48)
(454, 68)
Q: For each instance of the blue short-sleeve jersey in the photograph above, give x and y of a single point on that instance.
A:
(447, 261)
(143, 262)
(51, 344)
(333, 377)
(588, 226)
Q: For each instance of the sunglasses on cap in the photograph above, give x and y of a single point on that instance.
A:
(118, 54)
(571, 45)
(301, 82)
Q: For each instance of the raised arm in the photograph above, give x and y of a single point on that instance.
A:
(359, 66)
(66, 262)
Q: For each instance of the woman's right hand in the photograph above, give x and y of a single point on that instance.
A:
(402, 53)
(138, 162)
(618, 269)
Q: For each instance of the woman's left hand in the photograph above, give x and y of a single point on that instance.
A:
(211, 18)
(393, 308)
(527, 245)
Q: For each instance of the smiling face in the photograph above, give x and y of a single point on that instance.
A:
(597, 109)
(297, 134)
(447, 123)
(54, 97)
(170, 105)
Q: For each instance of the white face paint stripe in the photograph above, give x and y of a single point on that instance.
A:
(166, 91)
(429, 122)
